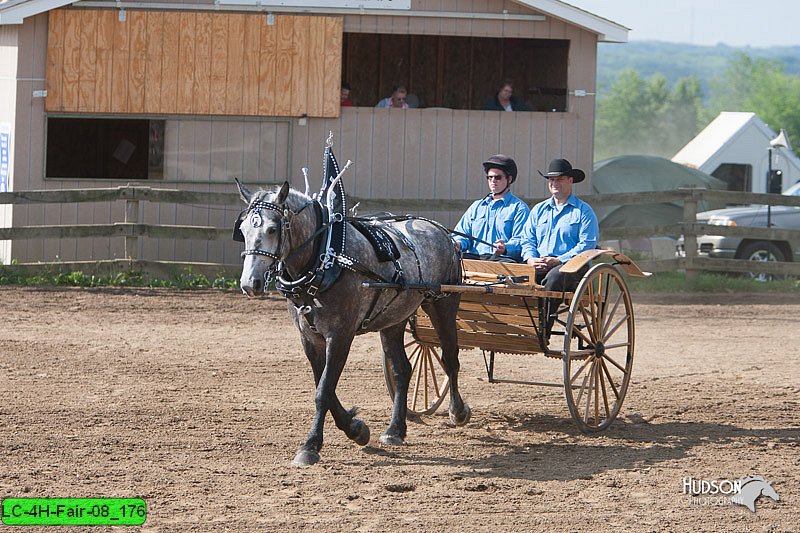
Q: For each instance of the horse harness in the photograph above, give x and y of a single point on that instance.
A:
(325, 266)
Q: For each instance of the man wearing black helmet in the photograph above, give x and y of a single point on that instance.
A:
(496, 220)
(559, 228)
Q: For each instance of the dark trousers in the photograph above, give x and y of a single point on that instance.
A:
(488, 257)
(553, 280)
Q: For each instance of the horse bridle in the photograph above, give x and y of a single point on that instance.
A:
(254, 210)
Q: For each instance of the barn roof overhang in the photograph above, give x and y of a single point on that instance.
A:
(15, 11)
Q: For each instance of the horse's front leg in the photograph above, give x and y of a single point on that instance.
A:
(327, 372)
(392, 341)
(443, 317)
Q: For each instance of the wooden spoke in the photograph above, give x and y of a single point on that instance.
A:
(590, 375)
(610, 380)
(617, 325)
(603, 385)
(621, 368)
(583, 387)
(589, 323)
(600, 321)
(610, 316)
(580, 370)
(428, 384)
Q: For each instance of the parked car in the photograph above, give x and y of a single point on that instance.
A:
(756, 249)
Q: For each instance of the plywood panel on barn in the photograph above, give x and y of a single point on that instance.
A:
(316, 67)
(137, 65)
(71, 66)
(250, 77)
(193, 63)
(55, 60)
(153, 66)
(267, 78)
(284, 63)
(201, 88)
(219, 59)
(298, 82)
(187, 39)
(105, 56)
(119, 69)
(87, 64)
(235, 65)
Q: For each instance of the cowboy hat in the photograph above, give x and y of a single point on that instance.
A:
(562, 167)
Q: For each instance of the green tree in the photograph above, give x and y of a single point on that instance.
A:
(760, 86)
(641, 116)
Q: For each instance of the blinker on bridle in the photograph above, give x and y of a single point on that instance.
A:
(256, 220)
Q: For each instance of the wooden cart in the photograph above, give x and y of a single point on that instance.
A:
(502, 311)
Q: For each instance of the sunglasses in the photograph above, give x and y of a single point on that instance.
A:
(495, 178)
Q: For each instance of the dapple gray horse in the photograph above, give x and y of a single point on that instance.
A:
(279, 225)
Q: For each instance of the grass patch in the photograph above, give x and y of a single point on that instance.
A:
(709, 282)
(184, 279)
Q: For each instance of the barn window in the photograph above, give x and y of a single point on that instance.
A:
(456, 72)
(105, 148)
(738, 177)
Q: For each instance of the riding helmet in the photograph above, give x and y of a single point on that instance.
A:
(504, 163)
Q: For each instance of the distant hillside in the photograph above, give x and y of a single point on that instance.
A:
(675, 60)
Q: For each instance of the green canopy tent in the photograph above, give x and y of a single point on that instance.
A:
(643, 173)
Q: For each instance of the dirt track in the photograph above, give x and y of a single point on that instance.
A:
(197, 401)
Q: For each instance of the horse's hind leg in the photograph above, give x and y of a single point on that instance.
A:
(327, 361)
(392, 341)
(443, 317)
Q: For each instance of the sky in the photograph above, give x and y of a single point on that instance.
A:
(755, 23)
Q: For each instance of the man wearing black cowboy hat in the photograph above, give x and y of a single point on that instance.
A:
(495, 221)
(559, 228)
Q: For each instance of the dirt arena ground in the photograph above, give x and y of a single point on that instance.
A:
(197, 400)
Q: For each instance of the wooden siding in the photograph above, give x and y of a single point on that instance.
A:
(437, 154)
(423, 153)
(191, 63)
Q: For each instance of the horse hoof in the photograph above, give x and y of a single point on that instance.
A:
(305, 458)
(460, 419)
(391, 440)
(359, 432)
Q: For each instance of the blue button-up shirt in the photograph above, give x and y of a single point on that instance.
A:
(493, 220)
(560, 231)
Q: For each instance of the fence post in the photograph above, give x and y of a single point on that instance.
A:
(131, 217)
(689, 235)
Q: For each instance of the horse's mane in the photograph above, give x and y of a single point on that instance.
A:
(294, 201)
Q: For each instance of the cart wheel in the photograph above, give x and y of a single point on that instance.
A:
(598, 348)
(429, 383)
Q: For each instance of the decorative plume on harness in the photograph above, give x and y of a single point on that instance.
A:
(333, 195)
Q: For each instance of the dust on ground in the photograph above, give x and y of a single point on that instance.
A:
(197, 400)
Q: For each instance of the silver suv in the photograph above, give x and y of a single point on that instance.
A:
(781, 217)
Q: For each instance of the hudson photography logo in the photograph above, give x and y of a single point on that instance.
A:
(718, 492)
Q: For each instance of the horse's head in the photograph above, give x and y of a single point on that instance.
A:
(264, 228)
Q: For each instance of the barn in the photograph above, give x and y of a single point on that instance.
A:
(186, 95)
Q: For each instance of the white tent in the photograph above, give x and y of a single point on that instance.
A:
(734, 147)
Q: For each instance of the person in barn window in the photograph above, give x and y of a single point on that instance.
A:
(495, 221)
(345, 97)
(504, 99)
(397, 100)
